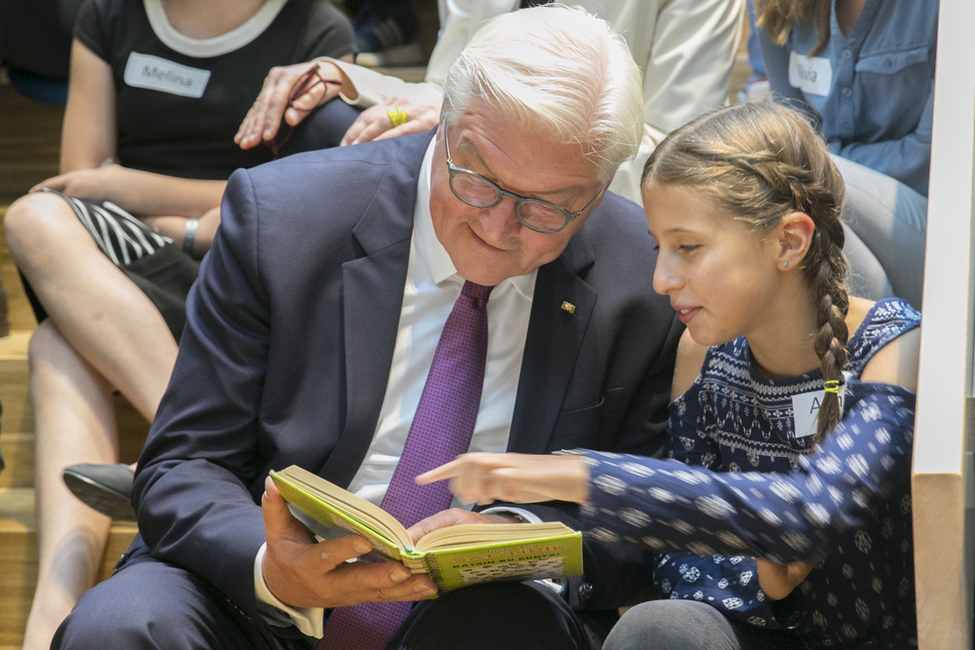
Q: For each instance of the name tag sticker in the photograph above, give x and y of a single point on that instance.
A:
(810, 75)
(805, 409)
(154, 73)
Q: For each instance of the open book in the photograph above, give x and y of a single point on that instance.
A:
(454, 557)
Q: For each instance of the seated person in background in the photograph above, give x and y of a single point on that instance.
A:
(790, 437)
(685, 48)
(156, 92)
(864, 72)
(386, 32)
(329, 304)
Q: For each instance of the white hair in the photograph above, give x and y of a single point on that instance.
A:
(557, 69)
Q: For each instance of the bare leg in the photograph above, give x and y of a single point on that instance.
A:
(75, 423)
(103, 333)
(98, 310)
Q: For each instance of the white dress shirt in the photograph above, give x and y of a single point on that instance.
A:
(432, 287)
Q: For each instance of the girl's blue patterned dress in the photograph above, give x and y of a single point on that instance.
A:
(749, 486)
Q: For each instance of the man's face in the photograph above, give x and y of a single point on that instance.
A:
(488, 245)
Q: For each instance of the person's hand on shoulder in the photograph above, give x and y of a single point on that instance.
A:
(291, 93)
(401, 115)
(303, 573)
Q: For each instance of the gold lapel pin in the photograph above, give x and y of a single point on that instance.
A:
(568, 307)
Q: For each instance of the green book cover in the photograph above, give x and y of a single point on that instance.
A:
(454, 557)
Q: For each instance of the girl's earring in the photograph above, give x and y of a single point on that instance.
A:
(785, 264)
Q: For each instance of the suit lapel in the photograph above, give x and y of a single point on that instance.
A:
(372, 297)
(552, 347)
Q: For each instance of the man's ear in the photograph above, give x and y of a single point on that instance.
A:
(793, 237)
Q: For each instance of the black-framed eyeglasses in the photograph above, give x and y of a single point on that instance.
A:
(480, 192)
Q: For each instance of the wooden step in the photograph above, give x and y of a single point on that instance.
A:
(18, 559)
(19, 311)
(18, 412)
(18, 451)
(30, 138)
(18, 446)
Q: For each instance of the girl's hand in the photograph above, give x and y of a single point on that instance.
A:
(518, 478)
(100, 183)
(778, 581)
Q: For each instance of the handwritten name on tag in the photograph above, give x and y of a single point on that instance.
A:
(810, 75)
(154, 73)
(805, 409)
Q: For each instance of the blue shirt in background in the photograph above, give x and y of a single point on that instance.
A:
(870, 92)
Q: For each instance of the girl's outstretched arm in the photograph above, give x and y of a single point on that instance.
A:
(520, 478)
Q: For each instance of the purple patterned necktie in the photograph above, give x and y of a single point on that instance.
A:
(441, 430)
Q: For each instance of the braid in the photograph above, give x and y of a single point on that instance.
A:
(827, 267)
(794, 187)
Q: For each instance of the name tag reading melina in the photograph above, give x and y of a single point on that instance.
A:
(154, 73)
(805, 408)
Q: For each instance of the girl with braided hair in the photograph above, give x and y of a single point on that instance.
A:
(781, 518)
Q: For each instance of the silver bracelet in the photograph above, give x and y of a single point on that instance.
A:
(189, 235)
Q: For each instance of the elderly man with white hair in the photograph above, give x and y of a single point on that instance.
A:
(475, 287)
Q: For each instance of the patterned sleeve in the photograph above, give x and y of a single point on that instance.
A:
(727, 583)
(790, 517)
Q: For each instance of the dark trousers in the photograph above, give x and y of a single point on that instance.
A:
(153, 604)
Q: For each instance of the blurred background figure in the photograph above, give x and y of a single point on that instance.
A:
(386, 32)
(863, 71)
(756, 88)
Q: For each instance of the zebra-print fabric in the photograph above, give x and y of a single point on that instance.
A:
(123, 238)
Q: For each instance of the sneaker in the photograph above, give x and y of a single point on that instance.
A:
(387, 36)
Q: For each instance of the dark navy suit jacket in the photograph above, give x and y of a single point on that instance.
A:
(289, 339)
